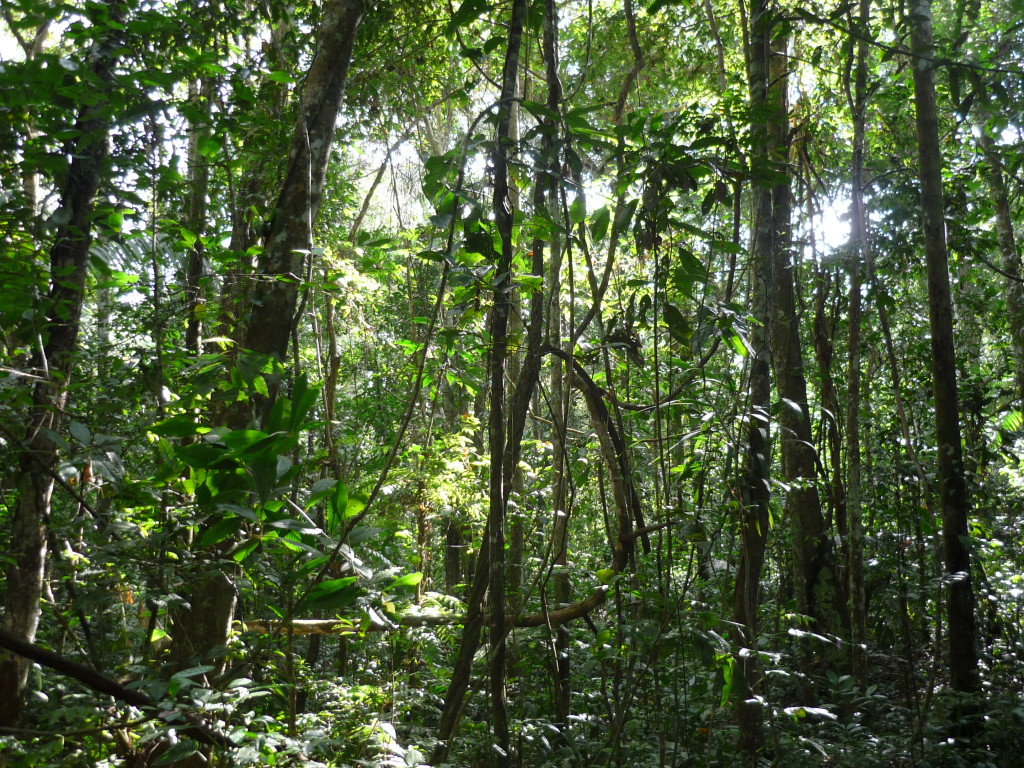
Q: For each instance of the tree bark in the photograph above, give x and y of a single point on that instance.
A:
(200, 94)
(290, 232)
(756, 491)
(290, 238)
(503, 444)
(497, 497)
(68, 271)
(952, 483)
(813, 559)
(1011, 265)
(861, 254)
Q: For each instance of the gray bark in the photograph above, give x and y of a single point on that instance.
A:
(68, 270)
(951, 478)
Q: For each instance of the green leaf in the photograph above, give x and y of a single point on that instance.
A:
(321, 489)
(336, 510)
(240, 439)
(624, 215)
(334, 593)
(577, 211)
(194, 671)
(678, 325)
(204, 456)
(1013, 422)
(303, 399)
(222, 529)
(726, 672)
(408, 580)
(244, 549)
(116, 221)
(183, 425)
(468, 12)
(80, 432)
(599, 223)
(540, 111)
(299, 526)
(209, 146)
(181, 750)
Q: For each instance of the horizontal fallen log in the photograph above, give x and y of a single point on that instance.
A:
(410, 620)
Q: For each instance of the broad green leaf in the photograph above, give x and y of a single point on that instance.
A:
(321, 489)
(194, 671)
(678, 324)
(336, 510)
(240, 439)
(178, 752)
(220, 530)
(244, 549)
(333, 594)
(183, 425)
(577, 210)
(408, 580)
(80, 432)
(599, 223)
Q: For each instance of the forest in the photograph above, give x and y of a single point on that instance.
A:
(511, 383)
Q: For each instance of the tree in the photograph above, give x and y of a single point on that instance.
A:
(963, 660)
(559, 294)
(69, 253)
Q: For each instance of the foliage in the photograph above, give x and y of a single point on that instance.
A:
(327, 510)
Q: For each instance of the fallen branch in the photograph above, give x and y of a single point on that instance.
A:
(375, 624)
(104, 684)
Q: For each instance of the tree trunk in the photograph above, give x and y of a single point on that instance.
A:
(813, 560)
(861, 254)
(757, 480)
(497, 496)
(200, 94)
(1011, 261)
(952, 483)
(38, 462)
(290, 236)
(275, 295)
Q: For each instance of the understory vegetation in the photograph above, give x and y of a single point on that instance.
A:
(525, 383)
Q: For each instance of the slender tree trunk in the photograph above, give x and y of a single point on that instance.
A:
(38, 462)
(813, 560)
(558, 394)
(497, 497)
(858, 224)
(200, 94)
(963, 661)
(1011, 265)
(757, 481)
(490, 575)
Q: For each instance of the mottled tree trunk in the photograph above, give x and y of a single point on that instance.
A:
(290, 233)
(813, 560)
(200, 93)
(1011, 265)
(275, 294)
(861, 254)
(38, 462)
(963, 661)
(757, 481)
